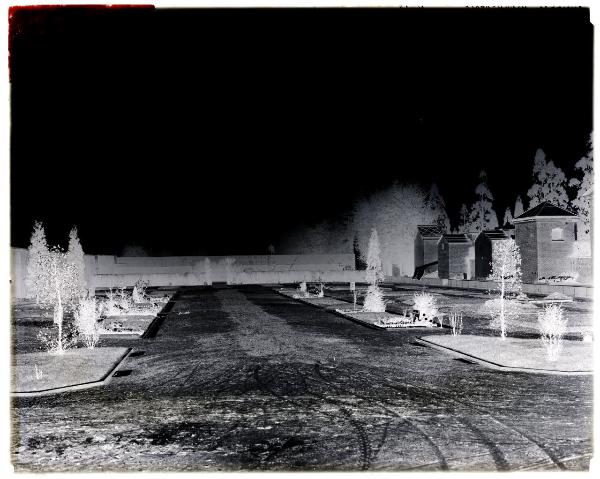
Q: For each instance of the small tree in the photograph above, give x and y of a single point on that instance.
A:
(482, 215)
(506, 272)
(435, 202)
(58, 288)
(374, 299)
(508, 217)
(374, 266)
(464, 223)
(359, 262)
(37, 262)
(374, 302)
(518, 207)
(75, 257)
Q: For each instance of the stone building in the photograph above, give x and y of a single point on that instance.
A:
(456, 257)
(426, 244)
(546, 236)
(484, 249)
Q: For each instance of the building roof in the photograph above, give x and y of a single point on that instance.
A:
(507, 226)
(545, 209)
(456, 238)
(430, 231)
(495, 234)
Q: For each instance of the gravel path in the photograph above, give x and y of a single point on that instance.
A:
(251, 380)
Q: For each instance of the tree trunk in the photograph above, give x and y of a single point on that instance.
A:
(502, 319)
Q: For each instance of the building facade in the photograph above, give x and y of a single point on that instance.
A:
(456, 257)
(484, 251)
(546, 236)
(426, 244)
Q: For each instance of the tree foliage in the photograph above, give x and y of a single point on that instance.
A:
(435, 202)
(518, 207)
(53, 277)
(481, 214)
(374, 268)
(549, 183)
(395, 212)
(508, 217)
(583, 199)
(58, 287)
(37, 261)
(506, 273)
(75, 256)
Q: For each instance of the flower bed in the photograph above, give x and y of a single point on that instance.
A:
(131, 314)
(125, 325)
(385, 320)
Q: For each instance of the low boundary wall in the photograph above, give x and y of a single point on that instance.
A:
(579, 291)
(104, 271)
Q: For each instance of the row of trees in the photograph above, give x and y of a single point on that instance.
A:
(550, 184)
(56, 278)
(396, 211)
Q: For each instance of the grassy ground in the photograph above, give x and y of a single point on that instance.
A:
(579, 314)
(519, 353)
(42, 371)
(252, 380)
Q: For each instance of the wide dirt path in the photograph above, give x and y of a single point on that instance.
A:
(243, 378)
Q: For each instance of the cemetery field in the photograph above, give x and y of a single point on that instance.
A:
(243, 378)
(579, 314)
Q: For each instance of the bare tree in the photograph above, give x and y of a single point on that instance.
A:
(506, 272)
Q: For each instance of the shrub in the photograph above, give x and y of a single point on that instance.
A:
(426, 304)
(374, 302)
(116, 303)
(139, 292)
(552, 327)
(86, 322)
(124, 300)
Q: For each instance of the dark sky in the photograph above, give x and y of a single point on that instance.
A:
(214, 131)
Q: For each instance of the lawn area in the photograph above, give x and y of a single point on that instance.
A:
(43, 371)
(579, 314)
(518, 353)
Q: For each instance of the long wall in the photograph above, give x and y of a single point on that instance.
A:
(104, 271)
(577, 291)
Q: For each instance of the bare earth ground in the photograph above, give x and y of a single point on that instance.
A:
(251, 380)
